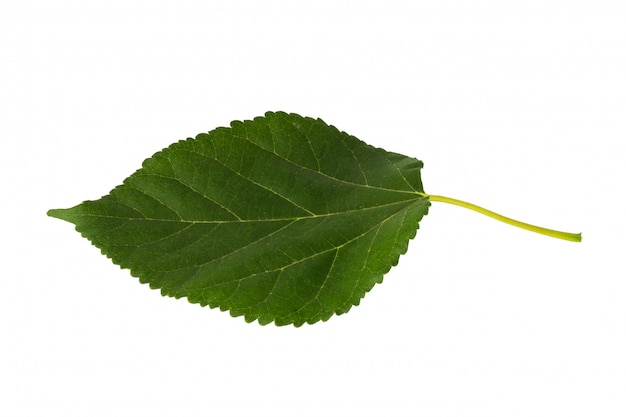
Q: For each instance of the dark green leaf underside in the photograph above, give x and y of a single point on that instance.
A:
(280, 219)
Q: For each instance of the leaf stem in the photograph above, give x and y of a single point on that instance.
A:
(572, 237)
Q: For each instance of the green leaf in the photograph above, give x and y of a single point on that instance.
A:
(280, 219)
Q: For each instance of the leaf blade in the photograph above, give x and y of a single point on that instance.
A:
(280, 219)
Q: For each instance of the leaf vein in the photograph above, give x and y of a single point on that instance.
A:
(297, 261)
(253, 182)
(155, 198)
(279, 219)
(323, 173)
(195, 191)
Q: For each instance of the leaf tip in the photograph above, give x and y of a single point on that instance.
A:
(62, 214)
(56, 213)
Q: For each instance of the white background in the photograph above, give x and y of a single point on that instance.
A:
(519, 106)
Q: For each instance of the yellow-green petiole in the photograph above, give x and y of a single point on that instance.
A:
(572, 237)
